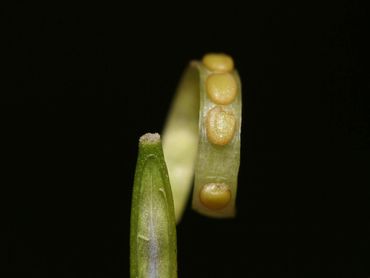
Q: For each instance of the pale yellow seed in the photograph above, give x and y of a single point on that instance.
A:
(218, 62)
(221, 88)
(215, 196)
(220, 126)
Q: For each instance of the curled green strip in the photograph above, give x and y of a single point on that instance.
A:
(153, 228)
(201, 138)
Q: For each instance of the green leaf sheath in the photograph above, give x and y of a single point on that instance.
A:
(153, 227)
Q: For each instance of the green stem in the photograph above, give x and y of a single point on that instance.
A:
(153, 228)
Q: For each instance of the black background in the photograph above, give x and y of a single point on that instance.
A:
(83, 83)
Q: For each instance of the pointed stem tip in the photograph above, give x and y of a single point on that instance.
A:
(150, 138)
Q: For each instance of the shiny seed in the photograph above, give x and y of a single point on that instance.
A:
(221, 88)
(218, 62)
(215, 196)
(220, 126)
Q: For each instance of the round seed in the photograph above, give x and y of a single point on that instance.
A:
(218, 62)
(221, 88)
(220, 126)
(215, 195)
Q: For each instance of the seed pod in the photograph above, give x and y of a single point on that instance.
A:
(201, 139)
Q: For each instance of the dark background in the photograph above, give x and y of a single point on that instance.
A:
(82, 84)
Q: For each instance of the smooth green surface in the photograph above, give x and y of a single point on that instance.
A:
(180, 139)
(153, 228)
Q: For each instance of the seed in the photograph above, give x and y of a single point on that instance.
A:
(218, 62)
(220, 126)
(215, 196)
(221, 88)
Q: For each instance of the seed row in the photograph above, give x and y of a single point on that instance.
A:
(220, 122)
(221, 89)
